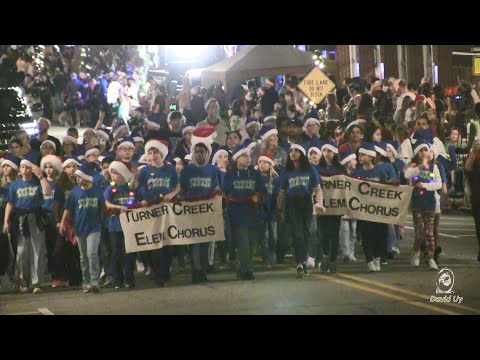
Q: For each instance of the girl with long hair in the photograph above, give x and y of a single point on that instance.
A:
(297, 183)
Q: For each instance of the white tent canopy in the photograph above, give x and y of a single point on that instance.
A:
(256, 61)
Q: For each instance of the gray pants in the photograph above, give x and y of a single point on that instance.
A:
(31, 253)
(244, 237)
(89, 263)
(211, 252)
(348, 236)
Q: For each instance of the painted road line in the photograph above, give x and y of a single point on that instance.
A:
(405, 291)
(26, 313)
(385, 294)
(45, 311)
(442, 234)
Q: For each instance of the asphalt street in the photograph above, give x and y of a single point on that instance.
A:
(399, 289)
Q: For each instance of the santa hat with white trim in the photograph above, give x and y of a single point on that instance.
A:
(123, 168)
(120, 126)
(298, 147)
(267, 131)
(266, 156)
(91, 152)
(316, 149)
(28, 160)
(380, 147)
(240, 150)
(70, 139)
(391, 146)
(368, 149)
(205, 134)
(269, 118)
(346, 156)
(207, 103)
(160, 145)
(85, 171)
(188, 157)
(311, 121)
(419, 145)
(49, 142)
(126, 141)
(54, 160)
(330, 145)
(187, 128)
(104, 133)
(217, 154)
(251, 122)
(136, 137)
(12, 161)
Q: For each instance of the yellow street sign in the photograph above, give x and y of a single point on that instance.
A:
(476, 65)
(316, 85)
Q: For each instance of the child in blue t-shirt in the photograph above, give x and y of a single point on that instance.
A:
(10, 169)
(220, 160)
(427, 180)
(268, 224)
(199, 179)
(158, 181)
(244, 188)
(84, 206)
(24, 205)
(328, 227)
(374, 235)
(348, 225)
(117, 199)
(298, 182)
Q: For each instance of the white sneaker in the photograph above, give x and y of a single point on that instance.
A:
(415, 261)
(376, 262)
(140, 267)
(310, 263)
(432, 265)
(147, 272)
(319, 265)
(352, 257)
(371, 267)
(395, 250)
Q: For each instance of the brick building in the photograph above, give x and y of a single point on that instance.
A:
(444, 63)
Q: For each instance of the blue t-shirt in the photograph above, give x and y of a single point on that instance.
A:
(154, 181)
(198, 180)
(86, 208)
(25, 194)
(453, 157)
(270, 201)
(375, 174)
(299, 183)
(389, 170)
(3, 201)
(243, 183)
(118, 195)
(57, 196)
(421, 198)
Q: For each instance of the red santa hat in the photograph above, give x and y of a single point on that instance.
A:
(266, 156)
(123, 168)
(204, 134)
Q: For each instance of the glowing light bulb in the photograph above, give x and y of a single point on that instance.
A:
(112, 183)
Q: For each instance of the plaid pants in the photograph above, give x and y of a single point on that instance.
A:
(424, 230)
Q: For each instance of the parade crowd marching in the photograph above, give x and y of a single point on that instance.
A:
(264, 150)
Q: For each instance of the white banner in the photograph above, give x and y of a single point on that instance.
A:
(366, 200)
(164, 224)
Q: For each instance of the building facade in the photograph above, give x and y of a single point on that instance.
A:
(445, 64)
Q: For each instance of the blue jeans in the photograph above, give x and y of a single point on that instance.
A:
(244, 237)
(348, 236)
(122, 263)
(199, 256)
(268, 240)
(89, 263)
(299, 215)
